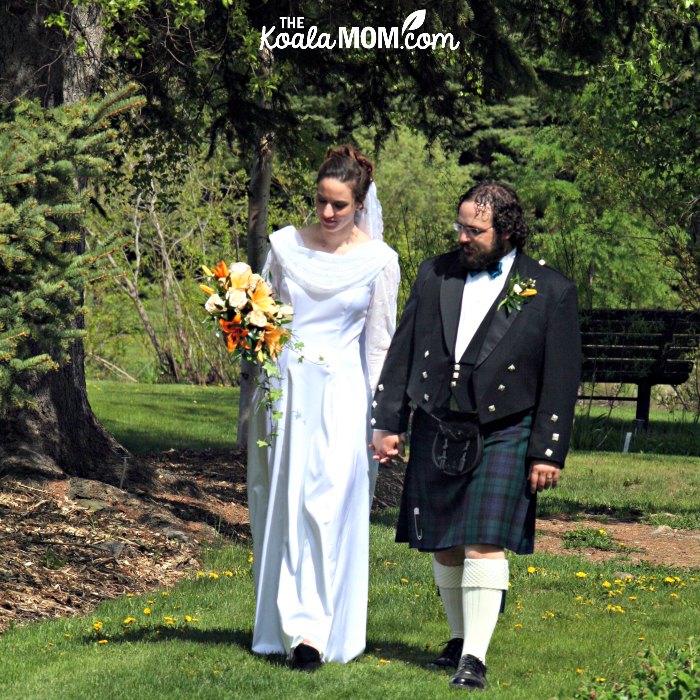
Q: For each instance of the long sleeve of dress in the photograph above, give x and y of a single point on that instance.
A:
(381, 319)
(272, 273)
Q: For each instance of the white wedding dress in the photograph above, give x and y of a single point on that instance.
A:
(310, 493)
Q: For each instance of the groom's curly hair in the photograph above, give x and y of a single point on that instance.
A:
(506, 209)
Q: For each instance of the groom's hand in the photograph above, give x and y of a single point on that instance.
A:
(386, 445)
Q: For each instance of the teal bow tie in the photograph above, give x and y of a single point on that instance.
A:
(493, 270)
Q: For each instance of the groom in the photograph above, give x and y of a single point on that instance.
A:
(487, 356)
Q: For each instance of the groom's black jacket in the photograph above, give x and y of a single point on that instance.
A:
(529, 360)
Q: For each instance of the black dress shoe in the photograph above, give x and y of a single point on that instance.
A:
(450, 656)
(305, 658)
(471, 674)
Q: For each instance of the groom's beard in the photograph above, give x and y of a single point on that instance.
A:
(472, 258)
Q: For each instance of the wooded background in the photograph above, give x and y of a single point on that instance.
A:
(141, 139)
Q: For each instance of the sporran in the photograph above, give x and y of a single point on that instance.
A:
(458, 445)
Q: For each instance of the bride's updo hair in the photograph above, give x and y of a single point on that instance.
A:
(346, 164)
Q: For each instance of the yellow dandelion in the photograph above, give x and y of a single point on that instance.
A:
(600, 680)
(581, 574)
(383, 661)
(633, 597)
(129, 620)
(602, 532)
(651, 588)
(228, 573)
(579, 671)
(103, 641)
(531, 569)
(165, 594)
(674, 595)
(97, 625)
(669, 579)
(129, 595)
(607, 584)
(250, 559)
(200, 574)
(50, 644)
(214, 575)
(517, 626)
(642, 638)
(146, 611)
(67, 635)
(151, 602)
(404, 580)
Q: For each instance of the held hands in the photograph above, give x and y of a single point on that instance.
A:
(543, 475)
(386, 445)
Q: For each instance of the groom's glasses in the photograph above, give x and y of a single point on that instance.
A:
(469, 230)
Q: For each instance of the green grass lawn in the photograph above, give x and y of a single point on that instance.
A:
(568, 623)
(158, 417)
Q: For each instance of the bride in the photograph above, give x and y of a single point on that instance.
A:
(310, 492)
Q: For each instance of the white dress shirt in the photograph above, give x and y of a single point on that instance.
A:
(480, 291)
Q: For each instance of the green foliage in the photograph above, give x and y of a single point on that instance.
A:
(419, 185)
(582, 537)
(43, 155)
(636, 132)
(673, 675)
(589, 240)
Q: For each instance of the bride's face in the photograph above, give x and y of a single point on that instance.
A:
(335, 206)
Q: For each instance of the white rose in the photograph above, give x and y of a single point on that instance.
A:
(257, 318)
(215, 304)
(239, 268)
(236, 298)
(517, 288)
(285, 311)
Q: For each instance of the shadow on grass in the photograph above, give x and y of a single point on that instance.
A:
(400, 651)
(243, 639)
(239, 638)
(555, 505)
(607, 434)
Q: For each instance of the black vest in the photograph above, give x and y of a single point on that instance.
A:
(465, 401)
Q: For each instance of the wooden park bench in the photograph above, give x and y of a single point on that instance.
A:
(645, 347)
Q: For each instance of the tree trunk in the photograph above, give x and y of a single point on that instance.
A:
(59, 435)
(258, 201)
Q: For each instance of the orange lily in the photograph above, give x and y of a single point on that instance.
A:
(239, 276)
(528, 292)
(221, 269)
(234, 333)
(261, 298)
(273, 337)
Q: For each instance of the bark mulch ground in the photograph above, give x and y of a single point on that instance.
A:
(68, 544)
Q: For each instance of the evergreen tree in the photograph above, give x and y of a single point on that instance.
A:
(44, 155)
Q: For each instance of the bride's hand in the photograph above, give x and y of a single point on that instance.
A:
(386, 445)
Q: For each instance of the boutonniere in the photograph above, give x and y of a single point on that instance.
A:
(520, 291)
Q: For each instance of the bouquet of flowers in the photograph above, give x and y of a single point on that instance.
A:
(251, 320)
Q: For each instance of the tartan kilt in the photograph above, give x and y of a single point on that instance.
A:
(491, 505)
